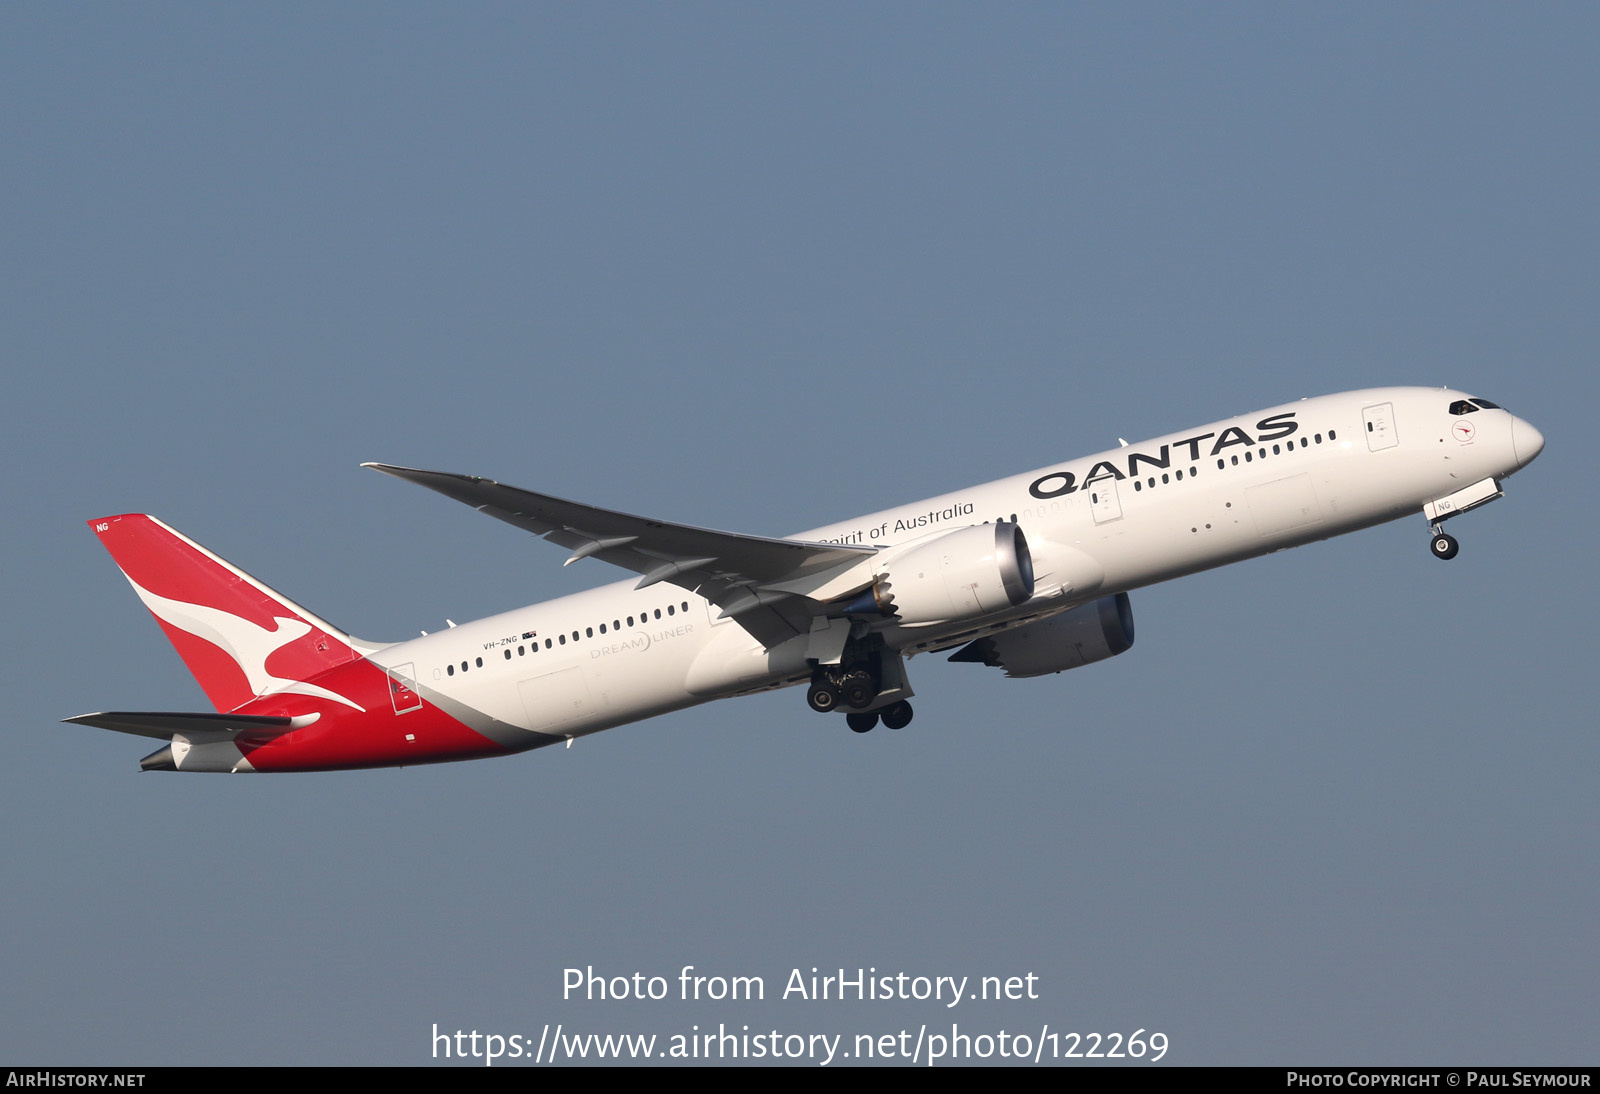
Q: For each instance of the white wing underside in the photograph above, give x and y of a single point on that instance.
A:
(758, 582)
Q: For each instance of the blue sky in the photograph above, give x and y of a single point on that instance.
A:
(763, 268)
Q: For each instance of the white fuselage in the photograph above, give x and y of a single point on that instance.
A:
(1099, 525)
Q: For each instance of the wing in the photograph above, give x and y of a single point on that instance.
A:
(736, 572)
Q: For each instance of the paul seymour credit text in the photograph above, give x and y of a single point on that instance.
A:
(923, 1043)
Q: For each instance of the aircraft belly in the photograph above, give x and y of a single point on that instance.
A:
(732, 662)
(1283, 505)
(556, 699)
(640, 674)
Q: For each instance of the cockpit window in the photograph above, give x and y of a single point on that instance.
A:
(1485, 403)
(1462, 406)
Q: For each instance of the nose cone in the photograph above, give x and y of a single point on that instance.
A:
(1527, 441)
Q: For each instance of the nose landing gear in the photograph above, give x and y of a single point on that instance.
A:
(1443, 545)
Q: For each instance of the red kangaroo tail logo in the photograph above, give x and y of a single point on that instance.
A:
(225, 624)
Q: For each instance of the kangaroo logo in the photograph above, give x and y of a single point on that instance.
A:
(247, 643)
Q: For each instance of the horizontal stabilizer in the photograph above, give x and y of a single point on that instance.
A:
(163, 725)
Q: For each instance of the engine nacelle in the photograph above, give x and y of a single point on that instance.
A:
(959, 575)
(1088, 633)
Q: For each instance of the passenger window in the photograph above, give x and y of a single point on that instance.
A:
(672, 609)
(588, 632)
(480, 662)
(450, 670)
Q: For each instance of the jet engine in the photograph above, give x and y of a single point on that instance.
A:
(958, 575)
(1086, 634)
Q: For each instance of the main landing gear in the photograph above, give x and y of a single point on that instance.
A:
(1444, 545)
(894, 716)
(868, 682)
(854, 683)
(822, 696)
(897, 716)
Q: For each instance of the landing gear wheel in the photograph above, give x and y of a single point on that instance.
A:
(861, 723)
(823, 697)
(1444, 546)
(858, 690)
(897, 716)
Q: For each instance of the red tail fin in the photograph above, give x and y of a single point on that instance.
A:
(238, 637)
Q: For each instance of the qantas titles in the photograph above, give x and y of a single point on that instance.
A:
(1272, 428)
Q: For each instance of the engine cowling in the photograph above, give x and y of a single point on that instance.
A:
(955, 576)
(1088, 633)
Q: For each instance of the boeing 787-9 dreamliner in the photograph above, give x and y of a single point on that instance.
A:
(1029, 574)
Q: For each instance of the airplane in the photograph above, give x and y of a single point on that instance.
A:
(1029, 574)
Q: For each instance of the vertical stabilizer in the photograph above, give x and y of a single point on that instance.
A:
(239, 638)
